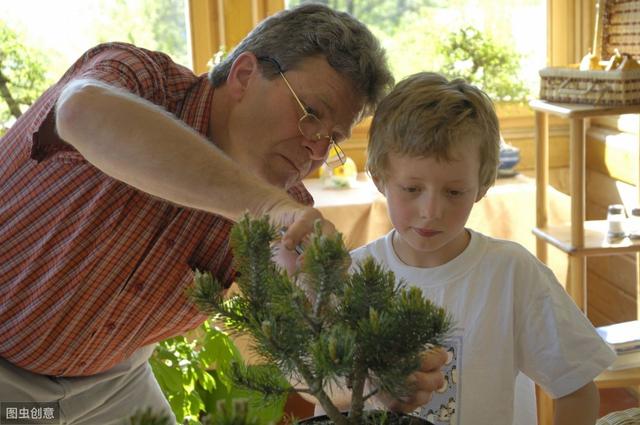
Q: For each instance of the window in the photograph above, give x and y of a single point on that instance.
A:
(53, 34)
(419, 35)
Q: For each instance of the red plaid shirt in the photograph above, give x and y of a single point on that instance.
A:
(91, 269)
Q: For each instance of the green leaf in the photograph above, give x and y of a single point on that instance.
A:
(168, 377)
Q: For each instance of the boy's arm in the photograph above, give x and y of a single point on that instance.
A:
(578, 408)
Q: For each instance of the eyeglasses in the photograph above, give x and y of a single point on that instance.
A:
(310, 126)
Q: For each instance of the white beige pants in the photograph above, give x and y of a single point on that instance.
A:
(108, 398)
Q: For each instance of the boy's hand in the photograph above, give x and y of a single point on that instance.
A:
(423, 382)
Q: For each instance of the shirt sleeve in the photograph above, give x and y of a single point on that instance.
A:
(557, 346)
(120, 65)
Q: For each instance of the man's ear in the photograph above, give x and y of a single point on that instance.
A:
(243, 69)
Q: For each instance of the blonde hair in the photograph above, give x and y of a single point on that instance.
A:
(425, 115)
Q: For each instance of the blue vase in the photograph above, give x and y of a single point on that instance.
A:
(509, 158)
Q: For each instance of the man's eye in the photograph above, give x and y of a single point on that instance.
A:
(411, 189)
(338, 137)
(455, 193)
(311, 111)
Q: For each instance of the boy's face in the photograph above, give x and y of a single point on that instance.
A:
(429, 202)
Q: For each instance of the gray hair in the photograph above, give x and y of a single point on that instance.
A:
(425, 116)
(315, 29)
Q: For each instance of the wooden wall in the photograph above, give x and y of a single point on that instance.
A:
(612, 171)
(612, 164)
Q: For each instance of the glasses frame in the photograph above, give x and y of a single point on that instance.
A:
(332, 160)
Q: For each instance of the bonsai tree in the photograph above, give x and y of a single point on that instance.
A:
(326, 324)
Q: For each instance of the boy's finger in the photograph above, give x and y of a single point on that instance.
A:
(426, 381)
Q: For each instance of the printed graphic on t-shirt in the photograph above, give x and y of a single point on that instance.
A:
(444, 407)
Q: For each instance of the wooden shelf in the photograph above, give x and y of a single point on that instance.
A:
(618, 378)
(596, 241)
(578, 244)
(573, 110)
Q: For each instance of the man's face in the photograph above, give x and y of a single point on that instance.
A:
(264, 134)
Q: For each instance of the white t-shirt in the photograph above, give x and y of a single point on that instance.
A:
(511, 315)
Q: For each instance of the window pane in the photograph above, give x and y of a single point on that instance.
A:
(466, 38)
(56, 33)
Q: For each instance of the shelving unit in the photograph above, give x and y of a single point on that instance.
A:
(578, 238)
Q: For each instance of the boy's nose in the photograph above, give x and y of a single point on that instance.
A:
(430, 207)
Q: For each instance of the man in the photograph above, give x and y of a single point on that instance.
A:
(128, 173)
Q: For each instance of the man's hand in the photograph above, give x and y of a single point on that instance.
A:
(299, 222)
(421, 383)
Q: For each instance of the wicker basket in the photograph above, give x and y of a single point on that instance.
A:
(620, 23)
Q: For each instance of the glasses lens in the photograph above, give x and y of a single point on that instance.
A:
(336, 157)
(311, 127)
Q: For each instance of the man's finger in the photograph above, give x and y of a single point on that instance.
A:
(303, 225)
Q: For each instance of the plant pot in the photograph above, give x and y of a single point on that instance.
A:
(372, 417)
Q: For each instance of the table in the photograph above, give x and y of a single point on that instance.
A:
(507, 212)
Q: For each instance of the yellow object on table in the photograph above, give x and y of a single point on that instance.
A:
(341, 177)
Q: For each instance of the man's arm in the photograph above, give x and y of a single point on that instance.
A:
(138, 143)
(578, 408)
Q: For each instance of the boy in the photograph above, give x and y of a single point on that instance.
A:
(433, 153)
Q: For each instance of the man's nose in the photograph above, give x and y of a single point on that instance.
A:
(318, 146)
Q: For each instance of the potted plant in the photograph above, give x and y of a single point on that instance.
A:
(330, 323)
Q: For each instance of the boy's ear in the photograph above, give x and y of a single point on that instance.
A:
(243, 69)
(481, 192)
(379, 184)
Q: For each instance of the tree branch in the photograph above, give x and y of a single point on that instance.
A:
(14, 108)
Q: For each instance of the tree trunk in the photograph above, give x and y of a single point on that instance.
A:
(5, 94)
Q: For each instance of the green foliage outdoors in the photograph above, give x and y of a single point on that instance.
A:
(381, 13)
(416, 40)
(22, 71)
(326, 324)
(26, 71)
(480, 60)
(195, 376)
(153, 24)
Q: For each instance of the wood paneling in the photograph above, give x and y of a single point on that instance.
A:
(602, 191)
(216, 24)
(612, 168)
(613, 153)
(616, 268)
(612, 303)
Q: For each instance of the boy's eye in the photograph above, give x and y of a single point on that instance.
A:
(455, 193)
(411, 189)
